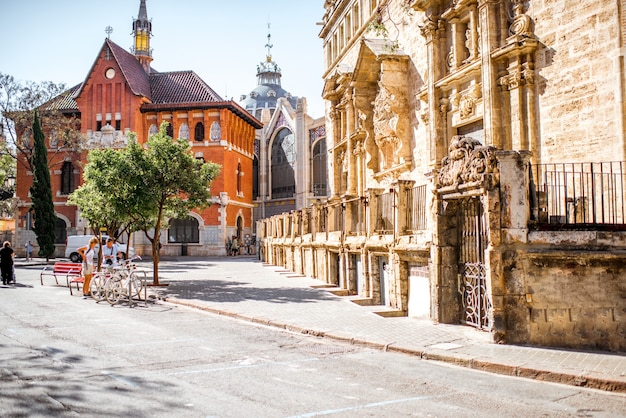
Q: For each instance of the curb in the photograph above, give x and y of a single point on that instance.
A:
(584, 381)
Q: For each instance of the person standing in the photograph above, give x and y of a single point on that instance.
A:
(88, 253)
(110, 253)
(6, 262)
(29, 250)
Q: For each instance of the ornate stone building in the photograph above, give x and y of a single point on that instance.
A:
(123, 93)
(290, 169)
(476, 155)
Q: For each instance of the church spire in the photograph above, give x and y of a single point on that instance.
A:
(142, 30)
(268, 72)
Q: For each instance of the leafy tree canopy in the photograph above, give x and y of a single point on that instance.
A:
(143, 186)
(18, 101)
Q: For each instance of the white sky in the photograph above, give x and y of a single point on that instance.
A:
(222, 41)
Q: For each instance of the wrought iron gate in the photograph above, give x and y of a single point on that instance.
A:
(473, 240)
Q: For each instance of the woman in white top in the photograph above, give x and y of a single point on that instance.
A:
(88, 253)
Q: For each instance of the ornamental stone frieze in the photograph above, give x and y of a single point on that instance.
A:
(468, 162)
(108, 137)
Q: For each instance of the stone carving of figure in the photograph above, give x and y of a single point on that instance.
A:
(108, 136)
(385, 124)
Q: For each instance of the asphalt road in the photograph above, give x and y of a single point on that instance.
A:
(64, 356)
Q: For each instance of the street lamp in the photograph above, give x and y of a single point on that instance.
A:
(8, 190)
(9, 182)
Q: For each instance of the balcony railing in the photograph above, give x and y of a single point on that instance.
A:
(416, 208)
(356, 211)
(577, 195)
(384, 213)
(335, 216)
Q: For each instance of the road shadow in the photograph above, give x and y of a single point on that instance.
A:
(50, 381)
(236, 291)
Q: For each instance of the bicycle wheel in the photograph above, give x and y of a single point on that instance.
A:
(138, 286)
(114, 290)
(96, 288)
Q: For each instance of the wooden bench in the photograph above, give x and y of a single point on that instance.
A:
(70, 271)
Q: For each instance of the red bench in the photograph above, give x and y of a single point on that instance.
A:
(79, 280)
(70, 271)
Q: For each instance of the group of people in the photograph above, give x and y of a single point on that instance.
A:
(235, 246)
(110, 255)
(110, 252)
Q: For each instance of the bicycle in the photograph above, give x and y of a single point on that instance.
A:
(99, 281)
(97, 287)
(125, 283)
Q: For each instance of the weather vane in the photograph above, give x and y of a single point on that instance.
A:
(109, 31)
(269, 44)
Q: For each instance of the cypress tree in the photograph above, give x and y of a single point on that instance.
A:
(41, 194)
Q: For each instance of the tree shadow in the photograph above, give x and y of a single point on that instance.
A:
(53, 382)
(211, 290)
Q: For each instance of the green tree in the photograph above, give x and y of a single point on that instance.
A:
(8, 203)
(17, 102)
(166, 182)
(142, 187)
(100, 181)
(41, 194)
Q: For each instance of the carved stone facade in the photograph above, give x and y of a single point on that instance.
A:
(465, 143)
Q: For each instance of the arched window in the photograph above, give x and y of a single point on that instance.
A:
(153, 130)
(169, 130)
(239, 174)
(216, 131)
(183, 131)
(319, 169)
(282, 162)
(199, 132)
(67, 178)
(184, 230)
(60, 231)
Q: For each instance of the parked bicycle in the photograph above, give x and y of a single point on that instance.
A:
(119, 283)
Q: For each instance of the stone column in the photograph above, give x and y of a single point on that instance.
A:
(433, 31)
(488, 17)
(349, 113)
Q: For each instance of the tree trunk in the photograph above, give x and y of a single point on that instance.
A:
(155, 259)
(155, 251)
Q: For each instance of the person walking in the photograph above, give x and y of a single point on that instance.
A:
(29, 250)
(88, 253)
(6, 262)
(235, 246)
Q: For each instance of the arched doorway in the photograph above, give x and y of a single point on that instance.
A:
(239, 232)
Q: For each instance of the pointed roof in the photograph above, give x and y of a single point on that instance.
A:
(180, 87)
(143, 13)
(64, 102)
(131, 69)
(168, 90)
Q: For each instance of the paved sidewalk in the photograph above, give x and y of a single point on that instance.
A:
(247, 289)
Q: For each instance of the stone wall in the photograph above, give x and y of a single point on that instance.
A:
(579, 80)
(566, 298)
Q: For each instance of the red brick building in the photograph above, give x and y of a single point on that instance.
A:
(122, 93)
